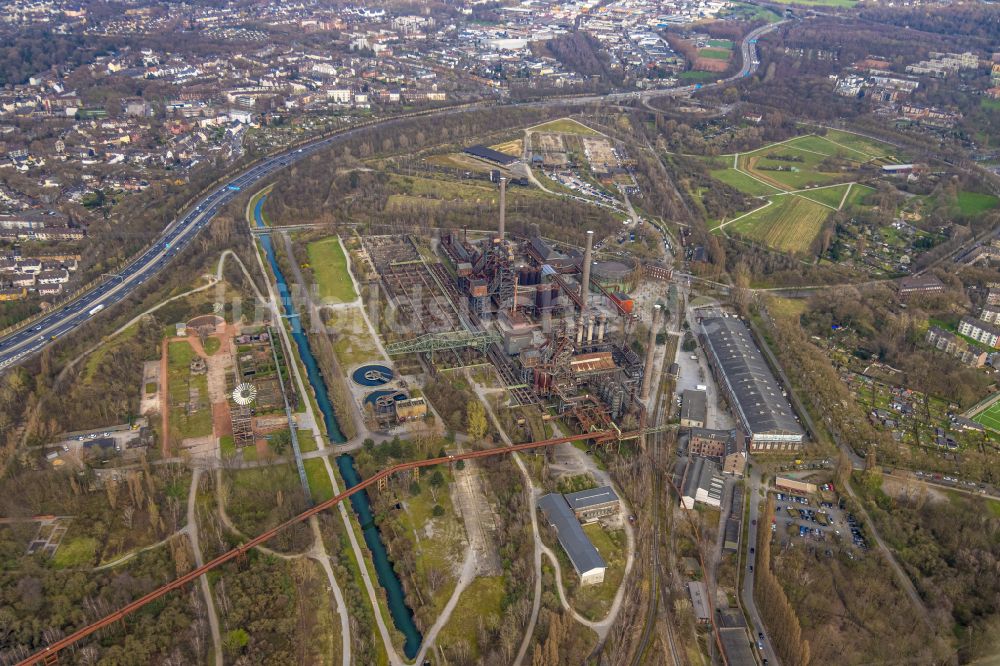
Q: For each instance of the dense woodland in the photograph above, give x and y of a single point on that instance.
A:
(948, 546)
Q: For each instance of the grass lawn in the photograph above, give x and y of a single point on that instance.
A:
(481, 599)
(715, 54)
(180, 383)
(720, 43)
(857, 195)
(227, 446)
(862, 144)
(787, 307)
(790, 224)
(307, 441)
(744, 183)
(79, 552)
(594, 601)
(989, 417)
(831, 196)
(751, 13)
(352, 341)
(565, 126)
(212, 345)
(319, 480)
(693, 75)
(974, 203)
(329, 266)
(150, 388)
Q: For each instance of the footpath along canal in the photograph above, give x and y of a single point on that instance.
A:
(402, 615)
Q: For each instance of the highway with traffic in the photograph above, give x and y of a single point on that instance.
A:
(30, 340)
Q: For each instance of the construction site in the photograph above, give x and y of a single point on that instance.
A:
(554, 323)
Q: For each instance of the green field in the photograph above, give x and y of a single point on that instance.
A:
(481, 599)
(819, 3)
(857, 195)
(715, 54)
(830, 196)
(815, 176)
(974, 203)
(744, 183)
(78, 552)
(329, 265)
(789, 224)
(720, 43)
(692, 75)
(227, 447)
(211, 346)
(319, 481)
(989, 417)
(864, 146)
(180, 383)
(564, 126)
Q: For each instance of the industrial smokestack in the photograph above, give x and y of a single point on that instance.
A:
(590, 329)
(647, 373)
(602, 328)
(585, 278)
(503, 206)
(579, 331)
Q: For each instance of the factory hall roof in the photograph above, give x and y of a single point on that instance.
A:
(761, 405)
(592, 497)
(574, 540)
(503, 159)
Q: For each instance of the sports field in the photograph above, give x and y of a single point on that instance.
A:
(989, 417)
(790, 224)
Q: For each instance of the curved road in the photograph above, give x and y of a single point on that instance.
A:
(28, 341)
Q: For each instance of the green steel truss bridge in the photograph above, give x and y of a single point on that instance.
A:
(432, 342)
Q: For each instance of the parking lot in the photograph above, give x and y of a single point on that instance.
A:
(813, 519)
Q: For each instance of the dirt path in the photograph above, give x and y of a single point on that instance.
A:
(164, 401)
(206, 590)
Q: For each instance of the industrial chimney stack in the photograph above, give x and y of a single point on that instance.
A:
(647, 373)
(585, 278)
(503, 207)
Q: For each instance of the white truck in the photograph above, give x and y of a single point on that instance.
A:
(95, 310)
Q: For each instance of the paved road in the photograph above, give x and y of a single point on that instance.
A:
(26, 342)
(746, 592)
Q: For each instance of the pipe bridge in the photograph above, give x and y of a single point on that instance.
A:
(432, 342)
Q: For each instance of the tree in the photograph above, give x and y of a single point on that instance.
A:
(475, 419)
(437, 479)
(437, 511)
(235, 641)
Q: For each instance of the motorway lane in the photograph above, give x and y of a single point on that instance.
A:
(26, 342)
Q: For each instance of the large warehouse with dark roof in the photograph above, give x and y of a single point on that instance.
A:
(765, 415)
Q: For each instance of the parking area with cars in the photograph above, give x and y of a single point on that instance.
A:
(818, 518)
